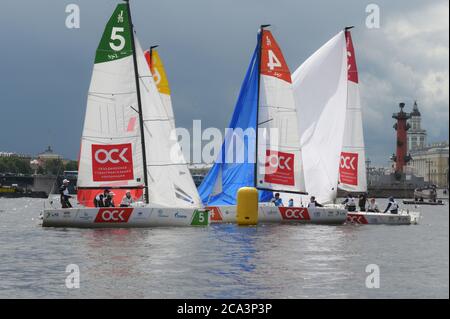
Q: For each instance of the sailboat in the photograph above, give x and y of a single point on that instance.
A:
(331, 127)
(352, 164)
(126, 144)
(272, 160)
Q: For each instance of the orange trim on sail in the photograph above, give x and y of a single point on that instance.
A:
(158, 72)
(272, 59)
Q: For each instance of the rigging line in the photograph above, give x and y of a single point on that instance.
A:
(94, 138)
(111, 93)
(134, 109)
(157, 120)
(361, 147)
(164, 165)
(278, 107)
(265, 122)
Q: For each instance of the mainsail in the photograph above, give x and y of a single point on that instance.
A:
(352, 168)
(112, 144)
(320, 92)
(279, 153)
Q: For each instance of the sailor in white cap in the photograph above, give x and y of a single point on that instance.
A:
(127, 200)
(64, 192)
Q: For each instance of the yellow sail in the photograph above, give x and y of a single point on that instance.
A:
(159, 75)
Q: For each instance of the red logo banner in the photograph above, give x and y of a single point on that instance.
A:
(352, 70)
(112, 162)
(279, 168)
(113, 215)
(294, 213)
(348, 168)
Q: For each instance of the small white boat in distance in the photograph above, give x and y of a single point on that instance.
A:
(126, 145)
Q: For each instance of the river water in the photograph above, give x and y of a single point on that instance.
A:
(223, 261)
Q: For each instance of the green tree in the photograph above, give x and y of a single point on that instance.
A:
(54, 166)
(71, 166)
(15, 165)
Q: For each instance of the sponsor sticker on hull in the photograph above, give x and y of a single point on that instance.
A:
(112, 162)
(215, 214)
(357, 219)
(200, 218)
(348, 168)
(113, 215)
(294, 213)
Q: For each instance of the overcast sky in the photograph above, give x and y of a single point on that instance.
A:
(206, 46)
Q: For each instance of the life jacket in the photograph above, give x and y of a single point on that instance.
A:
(394, 206)
(126, 201)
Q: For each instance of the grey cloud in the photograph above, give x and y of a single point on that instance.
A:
(206, 46)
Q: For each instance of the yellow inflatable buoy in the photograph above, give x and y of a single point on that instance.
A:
(247, 206)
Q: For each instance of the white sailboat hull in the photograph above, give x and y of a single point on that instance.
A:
(273, 214)
(118, 217)
(370, 218)
(366, 218)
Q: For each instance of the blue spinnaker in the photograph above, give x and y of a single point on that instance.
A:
(227, 175)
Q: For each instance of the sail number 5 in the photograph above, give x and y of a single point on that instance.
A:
(116, 36)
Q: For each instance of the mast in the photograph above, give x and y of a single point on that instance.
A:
(260, 38)
(138, 92)
(150, 51)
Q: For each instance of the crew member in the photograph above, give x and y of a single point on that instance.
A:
(373, 206)
(392, 206)
(291, 202)
(313, 203)
(99, 200)
(127, 200)
(64, 192)
(349, 203)
(277, 200)
(362, 202)
(109, 200)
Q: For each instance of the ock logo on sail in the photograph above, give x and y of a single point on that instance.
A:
(112, 162)
(279, 168)
(348, 169)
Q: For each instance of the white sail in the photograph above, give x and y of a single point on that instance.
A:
(320, 92)
(278, 139)
(169, 180)
(111, 147)
(111, 152)
(352, 168)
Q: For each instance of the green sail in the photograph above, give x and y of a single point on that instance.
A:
(116, 40)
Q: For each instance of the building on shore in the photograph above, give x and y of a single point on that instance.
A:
(427, 161)
(432, 163)
(48, 154)
(417, 136)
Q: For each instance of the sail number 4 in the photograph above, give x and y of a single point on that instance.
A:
(274, 62)
(116, 36)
